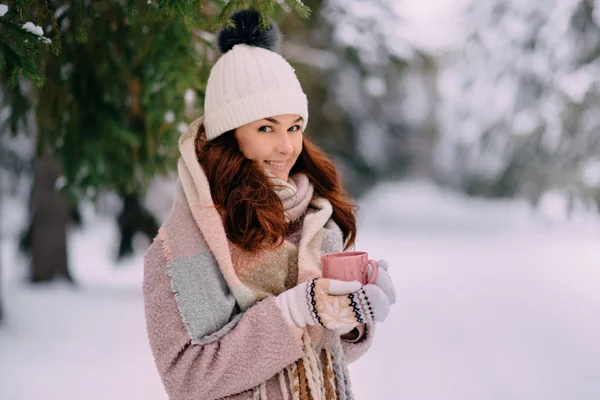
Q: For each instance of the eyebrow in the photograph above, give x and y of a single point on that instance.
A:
(273, 120)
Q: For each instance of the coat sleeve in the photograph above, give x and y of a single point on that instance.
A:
(248, 351)
(354, 350)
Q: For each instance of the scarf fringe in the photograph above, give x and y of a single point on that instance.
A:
(314, 373)
(329, 376)
(313, 377)
(342, 375)
(294, 381)
(282, 385)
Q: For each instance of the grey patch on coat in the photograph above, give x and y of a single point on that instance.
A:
(222, 332)
(207, 306)
(332, 238)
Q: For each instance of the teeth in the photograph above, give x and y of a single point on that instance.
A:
(276, 164)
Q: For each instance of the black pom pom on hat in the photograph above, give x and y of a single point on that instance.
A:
(248, 31)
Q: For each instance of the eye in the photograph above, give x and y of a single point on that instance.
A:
(294, 128)
(265, 128)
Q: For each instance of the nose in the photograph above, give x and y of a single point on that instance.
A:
(285, 144)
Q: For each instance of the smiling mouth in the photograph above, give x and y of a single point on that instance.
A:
(277, 164)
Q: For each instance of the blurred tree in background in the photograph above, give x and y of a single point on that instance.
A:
(101, 87)
(374, 86)
(521, 101)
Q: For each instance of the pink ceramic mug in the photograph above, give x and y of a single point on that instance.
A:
(349, 266)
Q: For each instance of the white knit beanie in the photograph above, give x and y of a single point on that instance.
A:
(250, 81)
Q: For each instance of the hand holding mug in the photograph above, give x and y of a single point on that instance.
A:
(356, 266)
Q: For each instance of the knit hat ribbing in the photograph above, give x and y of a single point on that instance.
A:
(249, 83)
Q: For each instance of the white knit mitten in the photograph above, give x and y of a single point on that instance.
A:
(384, 281)
(333, 304)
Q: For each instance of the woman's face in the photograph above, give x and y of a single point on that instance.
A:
(275, 142)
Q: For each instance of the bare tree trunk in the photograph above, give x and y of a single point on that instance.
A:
(1, 309)
(49, 224)
(134, 218)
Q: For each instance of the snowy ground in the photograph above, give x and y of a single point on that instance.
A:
(495, 302)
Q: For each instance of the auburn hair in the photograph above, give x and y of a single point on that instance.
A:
(251, 210)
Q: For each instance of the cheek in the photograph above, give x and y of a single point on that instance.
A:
(251, 149)
(247, 150)
(297, 144)
(255, 153)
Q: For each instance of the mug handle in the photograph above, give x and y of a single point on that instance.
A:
(375, 267)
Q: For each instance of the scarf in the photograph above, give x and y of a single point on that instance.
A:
(321, 374)
(295, 193)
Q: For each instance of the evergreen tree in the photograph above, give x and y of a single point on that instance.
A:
(106, 83)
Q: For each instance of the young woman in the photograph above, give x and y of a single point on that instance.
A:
(236, 307)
